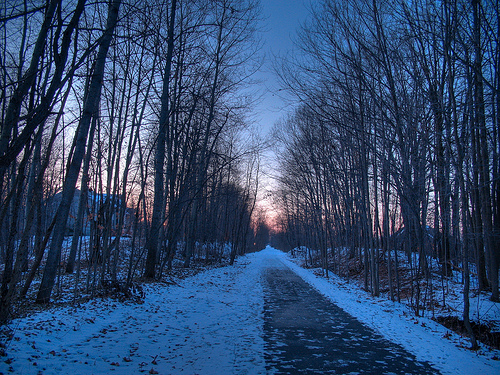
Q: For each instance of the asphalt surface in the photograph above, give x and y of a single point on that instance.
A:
(305, 333)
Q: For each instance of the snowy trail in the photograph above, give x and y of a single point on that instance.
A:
(208, 324)
(212, 323)
(306, 332)
(422, 337)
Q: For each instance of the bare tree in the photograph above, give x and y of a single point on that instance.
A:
(397, 149)
(89, 109)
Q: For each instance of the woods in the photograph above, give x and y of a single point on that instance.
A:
(394, 149)
(123, 141)
(127, 151)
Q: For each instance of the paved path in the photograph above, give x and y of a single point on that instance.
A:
(306, 333)
(255, 318)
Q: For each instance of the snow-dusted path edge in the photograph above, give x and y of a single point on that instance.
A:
(421, 336)
(210, 323)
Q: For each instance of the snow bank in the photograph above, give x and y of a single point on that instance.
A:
(426, 339)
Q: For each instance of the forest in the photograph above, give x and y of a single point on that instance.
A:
(392, 156)
(125, 147)
(128, 149)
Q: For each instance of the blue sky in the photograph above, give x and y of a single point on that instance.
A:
(282, 18)
(281, 21)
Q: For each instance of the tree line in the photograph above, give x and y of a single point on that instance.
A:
(123, 118)
(395, 144)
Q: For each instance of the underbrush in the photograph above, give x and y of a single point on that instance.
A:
(485, 333)
(119, 279)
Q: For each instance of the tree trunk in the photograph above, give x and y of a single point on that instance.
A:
(89, 108)
(14, 108)
(159, 195)
(491, 248)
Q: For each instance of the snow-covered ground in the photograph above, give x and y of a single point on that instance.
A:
(425, 338)
(210, 323)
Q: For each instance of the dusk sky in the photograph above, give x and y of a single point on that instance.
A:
(281, 21)
(282, 18)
